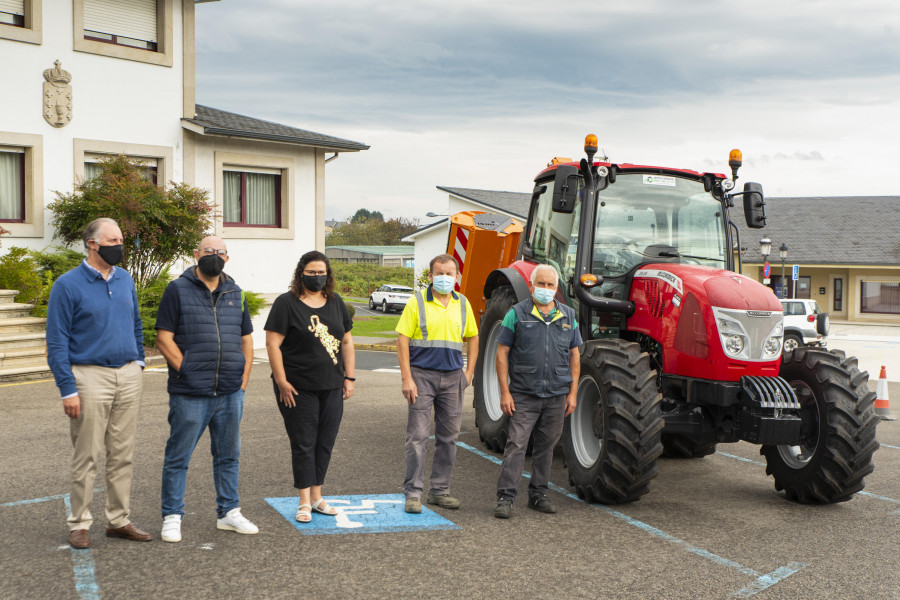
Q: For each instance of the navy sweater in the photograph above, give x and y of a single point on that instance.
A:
(92, 321)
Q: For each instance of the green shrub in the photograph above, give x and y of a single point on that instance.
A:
(351, 309)
(18, 271)
(255, 302)
(57, 260)
(361, 279)
(149, 297)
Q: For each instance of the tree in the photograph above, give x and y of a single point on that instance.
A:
(159, 225)
(363, 215)
(372, 232)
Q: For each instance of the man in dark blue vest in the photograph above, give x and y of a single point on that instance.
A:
(203, 329)
(537, 368)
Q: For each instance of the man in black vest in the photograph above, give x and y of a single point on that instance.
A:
(537, 369)
(203, 329)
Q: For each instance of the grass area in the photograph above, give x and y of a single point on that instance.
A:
(354, 299)
(375, 326)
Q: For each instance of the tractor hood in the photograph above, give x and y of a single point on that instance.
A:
(677, 305)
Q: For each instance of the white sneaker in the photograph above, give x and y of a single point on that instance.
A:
(235, 521)
(171, 529)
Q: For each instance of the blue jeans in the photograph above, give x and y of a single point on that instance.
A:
(189, 416)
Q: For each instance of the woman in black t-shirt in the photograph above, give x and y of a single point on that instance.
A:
(313, 363)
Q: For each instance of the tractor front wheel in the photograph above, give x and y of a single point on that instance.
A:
(612, 440)
(829, 464)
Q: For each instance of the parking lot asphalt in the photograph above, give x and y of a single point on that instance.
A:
(710, 528)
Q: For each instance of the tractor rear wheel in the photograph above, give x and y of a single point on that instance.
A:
(680, 446)
(612, 440)
(829, 465)
(489, 419)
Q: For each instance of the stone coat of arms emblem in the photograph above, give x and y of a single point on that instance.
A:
(57, 96)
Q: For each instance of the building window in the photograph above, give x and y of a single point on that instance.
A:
(251, 198)
(147, 166)
(880, 297)
(12, 184)
(20, 20)
(130, 23)
(12, 12)
(838, 295)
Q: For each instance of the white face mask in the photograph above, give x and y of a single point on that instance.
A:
(543, 295)
(443, 284)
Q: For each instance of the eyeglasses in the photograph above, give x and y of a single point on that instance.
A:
(315, 273)
(220, 252)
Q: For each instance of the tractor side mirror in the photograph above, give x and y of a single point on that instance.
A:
(565, 189)
(754, 205)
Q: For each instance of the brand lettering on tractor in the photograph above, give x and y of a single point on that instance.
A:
(669, 278)
(759, 313)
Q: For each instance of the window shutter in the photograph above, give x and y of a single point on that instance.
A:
(134, 19)
(13, 7)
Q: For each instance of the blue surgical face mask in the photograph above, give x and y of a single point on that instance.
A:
(443, 284)
(543, 295)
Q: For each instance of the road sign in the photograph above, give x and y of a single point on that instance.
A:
(796, 273)
(767, 270)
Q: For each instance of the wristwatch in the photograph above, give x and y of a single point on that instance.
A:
(349, 378)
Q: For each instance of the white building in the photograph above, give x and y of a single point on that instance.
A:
(118, 78)
(431, 239)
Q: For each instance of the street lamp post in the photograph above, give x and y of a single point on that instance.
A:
(782, 252)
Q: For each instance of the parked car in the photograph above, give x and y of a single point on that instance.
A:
(390, 297)
(804, 323)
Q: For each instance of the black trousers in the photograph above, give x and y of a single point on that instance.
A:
(312, 427)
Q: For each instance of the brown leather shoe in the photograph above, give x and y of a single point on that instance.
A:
(79, 538)
(129, 532)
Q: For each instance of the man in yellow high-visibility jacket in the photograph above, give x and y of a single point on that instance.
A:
(432, 330)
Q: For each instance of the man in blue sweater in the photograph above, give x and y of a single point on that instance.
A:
(95, 348)
(203, 329)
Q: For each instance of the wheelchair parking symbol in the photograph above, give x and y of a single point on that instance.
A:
(377, 513)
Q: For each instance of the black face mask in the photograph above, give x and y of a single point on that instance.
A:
(112, 255)
(314, 283)
(211, 265)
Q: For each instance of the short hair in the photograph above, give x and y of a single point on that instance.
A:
(543, 267)
(442, 258)
(92, 231)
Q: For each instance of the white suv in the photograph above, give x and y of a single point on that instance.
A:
(390, 297)
(804, 323)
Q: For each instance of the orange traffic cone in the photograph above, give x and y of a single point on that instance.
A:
(882, 404)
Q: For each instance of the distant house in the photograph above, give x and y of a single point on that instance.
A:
(431, 239)
(847, 250)
(119, 78)
(386, 256)
(332, 225)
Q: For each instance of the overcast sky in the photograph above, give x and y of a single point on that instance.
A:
(477, 94)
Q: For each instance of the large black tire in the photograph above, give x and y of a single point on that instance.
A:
(612, 440)
(679, 446)
(371, 303)
(830, 466)
(489, 419)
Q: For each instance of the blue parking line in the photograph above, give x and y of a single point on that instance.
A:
(83, 568)
(891, 447)
(762, 582)
(44, 499)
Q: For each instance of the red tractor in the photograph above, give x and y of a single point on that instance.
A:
(681, 352)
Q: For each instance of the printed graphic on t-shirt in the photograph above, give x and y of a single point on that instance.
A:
(331, 343)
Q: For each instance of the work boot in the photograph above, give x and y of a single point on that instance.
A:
(541, 504)
(413, 506)
(504, 508)
(443, 500)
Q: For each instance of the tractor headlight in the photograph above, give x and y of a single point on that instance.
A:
(772, 345)
(733, 337)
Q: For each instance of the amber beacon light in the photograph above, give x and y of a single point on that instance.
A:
(590, 144)
(735, 161)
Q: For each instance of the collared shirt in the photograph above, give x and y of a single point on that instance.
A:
(510, 320)
(92, 321)
(443, 324)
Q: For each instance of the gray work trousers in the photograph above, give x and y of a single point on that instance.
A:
(545, 416)
(441, 391)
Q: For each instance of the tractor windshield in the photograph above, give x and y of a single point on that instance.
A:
(644, 218)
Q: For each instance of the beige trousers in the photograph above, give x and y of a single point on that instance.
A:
(110, 399)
